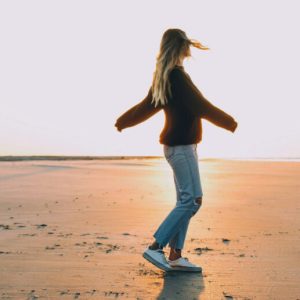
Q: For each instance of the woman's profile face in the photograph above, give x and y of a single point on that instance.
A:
(187, 53)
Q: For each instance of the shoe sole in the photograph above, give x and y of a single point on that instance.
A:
(156, 263)
(187, 269)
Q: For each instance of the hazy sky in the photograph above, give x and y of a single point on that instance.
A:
(69, 69)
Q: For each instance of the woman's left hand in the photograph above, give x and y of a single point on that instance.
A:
(118, 126)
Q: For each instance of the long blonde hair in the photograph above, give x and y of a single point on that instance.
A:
(174, 45)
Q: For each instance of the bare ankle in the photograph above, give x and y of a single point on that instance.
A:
(174, 254)
(155, 246)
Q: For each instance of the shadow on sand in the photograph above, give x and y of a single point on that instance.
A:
(182, 285)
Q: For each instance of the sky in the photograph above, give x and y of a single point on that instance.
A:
(69, 69)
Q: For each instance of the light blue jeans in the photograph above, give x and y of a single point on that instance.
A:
(183, 160)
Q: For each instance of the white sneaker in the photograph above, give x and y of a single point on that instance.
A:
(157, 258)
(183, 264)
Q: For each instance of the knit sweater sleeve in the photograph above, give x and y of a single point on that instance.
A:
(197, 104)
(138, 113)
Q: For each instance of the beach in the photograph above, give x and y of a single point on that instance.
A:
(77, 230)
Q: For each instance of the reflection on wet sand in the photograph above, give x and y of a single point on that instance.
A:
(179, 285)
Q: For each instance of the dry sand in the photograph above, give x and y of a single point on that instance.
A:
(77, 230)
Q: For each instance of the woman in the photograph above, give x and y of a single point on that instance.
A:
(184, 106)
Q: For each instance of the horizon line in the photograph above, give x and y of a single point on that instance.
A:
(4, 158)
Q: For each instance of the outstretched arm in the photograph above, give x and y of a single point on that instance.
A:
(198, 105)
(138, 113)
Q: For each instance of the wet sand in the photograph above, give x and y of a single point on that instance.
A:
(77, 230)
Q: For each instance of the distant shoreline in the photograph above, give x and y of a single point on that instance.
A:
(61, 157)
(11, 158)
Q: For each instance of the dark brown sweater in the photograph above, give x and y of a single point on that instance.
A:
(183, 112)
